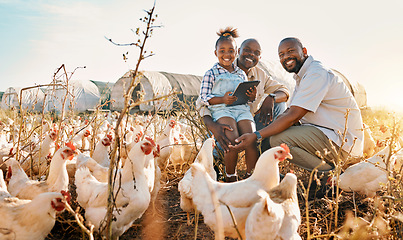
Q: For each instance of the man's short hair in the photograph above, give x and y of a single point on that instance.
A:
(294, 39)
(249, 40)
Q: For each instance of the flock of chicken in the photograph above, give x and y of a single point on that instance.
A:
(36, 178)
(262, 207)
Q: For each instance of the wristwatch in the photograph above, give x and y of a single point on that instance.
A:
(259, 137)
(273, 96)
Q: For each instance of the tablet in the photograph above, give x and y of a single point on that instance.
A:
(240, 92)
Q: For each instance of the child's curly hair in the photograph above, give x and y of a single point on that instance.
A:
(229, 33)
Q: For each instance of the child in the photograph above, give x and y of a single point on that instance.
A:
(216, 88)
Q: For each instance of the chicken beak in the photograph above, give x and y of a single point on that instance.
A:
(288, 156)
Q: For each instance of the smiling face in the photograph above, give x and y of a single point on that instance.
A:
(249, 54)
(292, 55)
(226, 53)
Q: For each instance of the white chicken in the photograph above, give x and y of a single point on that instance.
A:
(101, 173)
(5, 153)
(21, 186)
(238, 196)
(131, 133)
(128, 146)
(285, 194)
(153, 175)
(45, 125)
(366, 177)
(205, 158)
(132, 193)
(101, 153)
(98, 171)
(369, 142)
(165, 141)
(265, 219)
(38, 161)
(183, 151)
(3, 187)
(81, 139)
(30, 219)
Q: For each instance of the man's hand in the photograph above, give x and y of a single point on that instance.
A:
(251, 93)
(229, 99)
(266, 110)
(244, 141)
(218, 131)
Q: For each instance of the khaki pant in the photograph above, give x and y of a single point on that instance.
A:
(303, 142)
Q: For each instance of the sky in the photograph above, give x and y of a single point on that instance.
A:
(362, 39)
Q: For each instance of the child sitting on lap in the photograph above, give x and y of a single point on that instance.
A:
(216, 88)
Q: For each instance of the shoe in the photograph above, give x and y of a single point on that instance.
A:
(231, 179)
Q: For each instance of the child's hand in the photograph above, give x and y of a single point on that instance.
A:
(251, 93)
(229, 99)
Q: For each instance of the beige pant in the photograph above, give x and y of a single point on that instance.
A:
(303, 142)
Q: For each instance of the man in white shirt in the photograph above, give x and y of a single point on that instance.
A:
(323, 106)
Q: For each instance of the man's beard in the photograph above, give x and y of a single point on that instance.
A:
(296, 68)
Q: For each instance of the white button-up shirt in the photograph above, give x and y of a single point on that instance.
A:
(327, 99)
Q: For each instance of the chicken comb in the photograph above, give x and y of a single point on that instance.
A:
(172, 123)
(109, 136)
(329, 181)
(156, 152)
(66, 195)
(150, 140)
(9, 172)
(11, 151)
(291, 171)
(285, 147)
(71, 146)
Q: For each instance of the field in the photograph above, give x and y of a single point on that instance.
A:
(357, 217)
